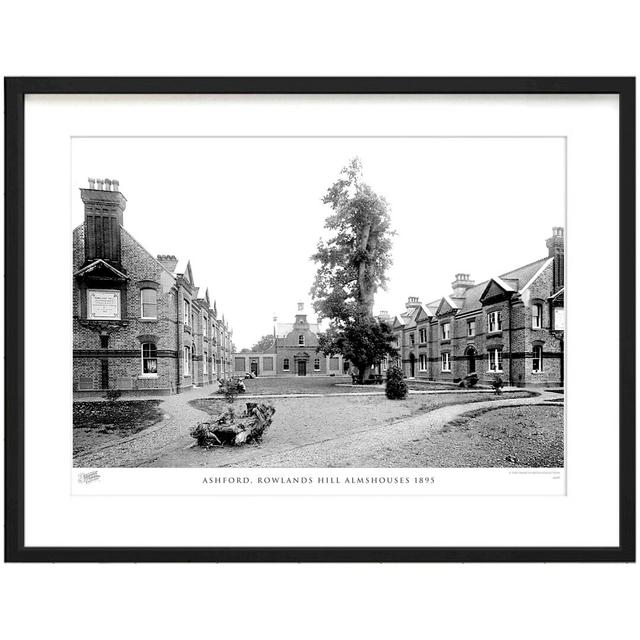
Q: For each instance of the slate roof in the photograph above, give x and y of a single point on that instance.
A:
(285, 328)
(516, 280)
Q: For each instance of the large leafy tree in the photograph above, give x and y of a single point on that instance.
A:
(352, 266)
(264, 344)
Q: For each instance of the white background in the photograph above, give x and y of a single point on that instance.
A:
(489, 38)
(586, 516)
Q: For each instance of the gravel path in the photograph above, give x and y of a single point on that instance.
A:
(377, 447)
(329, 431)
(332, 430)
(132, 451)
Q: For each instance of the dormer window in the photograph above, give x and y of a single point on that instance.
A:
(301, 340)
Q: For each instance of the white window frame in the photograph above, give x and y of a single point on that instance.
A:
(445, 361)
(285, 364)
(412, 339)
(186, 312)
(91, 316)
(301, 340)
(422, 359)
(422, 335)
(142, 373)
(536, 319)
(471, 332)
(495, 360)
(445, 334)
(494, 318)
(155, 292)
(540, 359)
(316, 360)
(186, 359)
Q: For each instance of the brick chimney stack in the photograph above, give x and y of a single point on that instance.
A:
(461, 284)
(412, 303)
(555, 244)
(103, 216)
(169, 262)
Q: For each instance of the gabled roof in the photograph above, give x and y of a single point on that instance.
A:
(496, 287)
(517, 279)
(183, 268)
(399, 321)
(98, 265)
(423, 313)
(557, 294)
(447, 304)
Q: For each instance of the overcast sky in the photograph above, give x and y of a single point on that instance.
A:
(248, 212)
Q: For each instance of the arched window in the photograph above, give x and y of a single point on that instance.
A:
(536, 316)
(537, 357)
(149, 359)
(148, 304)
(301, 340)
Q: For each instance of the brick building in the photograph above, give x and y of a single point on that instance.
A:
(293, 352)
(511, 325)
(140, 322)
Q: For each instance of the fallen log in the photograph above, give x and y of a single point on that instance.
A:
(232, 429)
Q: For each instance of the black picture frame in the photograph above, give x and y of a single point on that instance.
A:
(15, 91)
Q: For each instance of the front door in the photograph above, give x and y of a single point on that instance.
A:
(471, 358)
(412, 366)
(254, 368)
(302, 367)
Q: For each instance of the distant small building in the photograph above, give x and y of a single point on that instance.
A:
(293, 353)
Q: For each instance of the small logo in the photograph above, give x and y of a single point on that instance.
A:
(88, 476)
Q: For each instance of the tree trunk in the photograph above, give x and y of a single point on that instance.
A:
(363, 367)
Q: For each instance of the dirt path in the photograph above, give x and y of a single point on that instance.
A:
(354, 451)
(390, 425)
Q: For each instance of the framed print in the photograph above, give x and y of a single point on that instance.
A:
(320, 319)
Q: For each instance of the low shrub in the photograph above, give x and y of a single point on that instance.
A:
(231, 388)
(112, 394)
(469, 381)
(497, 383)
(396, 388)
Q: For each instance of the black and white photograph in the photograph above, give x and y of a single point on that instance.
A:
(365, 302)
(331, 306)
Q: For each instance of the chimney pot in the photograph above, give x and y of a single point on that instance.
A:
(92, 183)
(116, 185)
(100, 184)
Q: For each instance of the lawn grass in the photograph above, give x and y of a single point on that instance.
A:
(97, 423)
